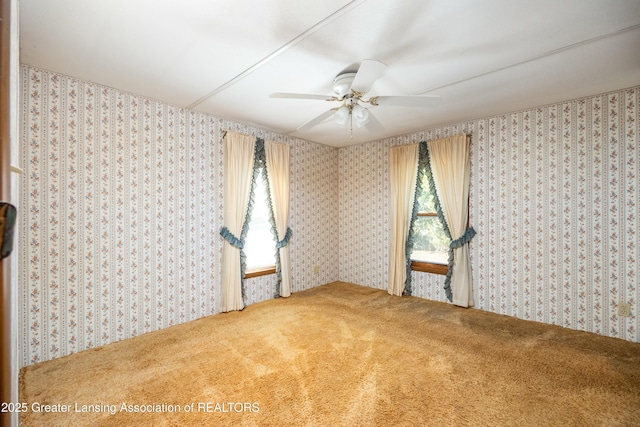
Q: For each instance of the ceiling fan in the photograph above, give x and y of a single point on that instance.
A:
(350, 87)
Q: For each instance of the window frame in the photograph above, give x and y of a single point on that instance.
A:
(260, 271)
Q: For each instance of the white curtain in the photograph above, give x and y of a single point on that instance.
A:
(403, 174)
(451, 171)
(277, 156)
(238, 171)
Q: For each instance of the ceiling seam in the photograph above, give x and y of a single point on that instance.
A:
(535, 58)
(319, 25)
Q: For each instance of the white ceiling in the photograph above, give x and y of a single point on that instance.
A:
(225, 57)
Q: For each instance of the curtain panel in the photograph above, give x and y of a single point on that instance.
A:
(403, 176)
(277, 159)
(238, 173)
(449, 159)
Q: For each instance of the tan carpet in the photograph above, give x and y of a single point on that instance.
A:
(342, 354)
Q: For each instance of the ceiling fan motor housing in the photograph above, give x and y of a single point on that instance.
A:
(342, 83)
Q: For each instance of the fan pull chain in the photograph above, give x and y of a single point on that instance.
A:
(350, 125)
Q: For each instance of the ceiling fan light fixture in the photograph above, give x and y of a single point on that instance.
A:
(342, 114)
(361, 115)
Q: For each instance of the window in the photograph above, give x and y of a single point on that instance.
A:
(260, 246)
(430, 243)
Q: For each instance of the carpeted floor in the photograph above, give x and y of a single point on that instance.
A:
(343, 355)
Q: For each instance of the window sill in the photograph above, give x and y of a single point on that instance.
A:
(260, 271)
(429, 267)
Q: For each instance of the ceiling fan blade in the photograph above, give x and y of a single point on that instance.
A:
(303, 96)
(370, 70)
(408, 101)
(373, 125)
(316, 121)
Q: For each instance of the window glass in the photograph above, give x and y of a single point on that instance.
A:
(260, 245)
(430, 243)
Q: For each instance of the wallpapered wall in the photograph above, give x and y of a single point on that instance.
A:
(120, 210)
(121, 204)
(554, 198)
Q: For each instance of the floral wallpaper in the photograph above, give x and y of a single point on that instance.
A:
(554, 198)
(121, 204)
